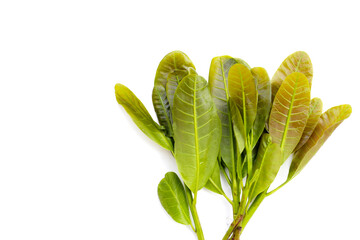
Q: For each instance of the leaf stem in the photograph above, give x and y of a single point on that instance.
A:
(233, 225)
(254, 206)
(274, 190)
(192, 204)
(220, 191)
(199, 231)
(226, 176)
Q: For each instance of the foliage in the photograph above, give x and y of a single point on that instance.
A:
(241, 125)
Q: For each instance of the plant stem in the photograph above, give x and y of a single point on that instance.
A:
(192, 204)
(221, 191)
(235, 192)
(226, 176)
(273, 191)
(237, 233)
(199, 231)
(233, 225)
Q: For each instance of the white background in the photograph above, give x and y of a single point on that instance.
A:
(74, 166)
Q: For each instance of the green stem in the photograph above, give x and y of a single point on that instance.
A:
(236, 197)
(273, 191)
(220, 191)
(226, 176)
(254, 206)
(199, 231)
(244, 198)
(192, 204)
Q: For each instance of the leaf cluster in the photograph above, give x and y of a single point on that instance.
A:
(238, 124)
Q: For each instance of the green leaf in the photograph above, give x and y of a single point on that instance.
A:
(214, 183)
(296, 62)
(263, 103)
(268, 163)
(141, 116)
(252, 209)
(218, 83)
(289, 112)
(197, 131)
(314, 116)
(242, 89)
(238, 126)
(172, 196)
(174, 62)
(173, 81)
(326, 125)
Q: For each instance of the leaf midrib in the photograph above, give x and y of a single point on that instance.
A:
(243, 103)
(177, 200)
(230, 116)
(196, 139)
(282, 145)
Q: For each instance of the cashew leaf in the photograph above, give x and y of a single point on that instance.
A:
(314, 116)
(296, 62)
(197, 131)
(238, 126)
(141, 117)
(173, 81)
(174, 63)
(172, 196)
(218, 83)
(289, 112)
(326, 125)
(267, 163)
(263, 103)
(242, 89)
(214, 183)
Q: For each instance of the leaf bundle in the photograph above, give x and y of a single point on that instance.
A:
(240, 126)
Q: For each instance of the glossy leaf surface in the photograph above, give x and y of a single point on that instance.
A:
(172, 63)
(289, 112)
(238, 126)
(327, 123)
(314, 116)
(267, 163)
(296, 62)
(242, 89)
(141, 116)
(218, 83)
(214, 183)
(197, 131)
(172, 196)
(173, 81)
(264, 101)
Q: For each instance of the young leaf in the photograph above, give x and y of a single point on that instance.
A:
(238, 126)
(268, 163)
(296, 62)
(242, 89)
(197, 131)
(173, 81)
(141, 116)
(172, 196)
(214, 182)
(314, 115)
(289, 112)
(327, 123)
(172, 62)
(218, 83)
(263, 103)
